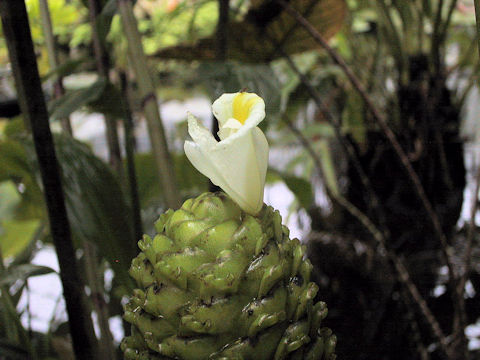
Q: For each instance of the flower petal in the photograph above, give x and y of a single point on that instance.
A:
(238, 164)
(222, 108)
(247, 108)
(230, 127)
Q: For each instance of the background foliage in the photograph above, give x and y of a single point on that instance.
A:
(410, 68)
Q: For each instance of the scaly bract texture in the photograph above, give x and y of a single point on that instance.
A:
(217, 283)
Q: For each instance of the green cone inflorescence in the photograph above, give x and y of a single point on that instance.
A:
(217, 283)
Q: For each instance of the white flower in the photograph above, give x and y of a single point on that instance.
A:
(237, 163)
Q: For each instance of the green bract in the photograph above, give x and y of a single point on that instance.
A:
(217, 283)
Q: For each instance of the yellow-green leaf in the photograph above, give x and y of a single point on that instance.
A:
(15, 236)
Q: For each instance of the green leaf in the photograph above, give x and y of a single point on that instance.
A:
(96, 205)
(22, 273)
(104, 20)
(190, 181)
(74, 99)
(66, 68)
(15, 167)
(10, 199)
(109, 102)
(15, 236)
(246, 38)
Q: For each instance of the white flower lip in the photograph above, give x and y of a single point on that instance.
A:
(237, 163)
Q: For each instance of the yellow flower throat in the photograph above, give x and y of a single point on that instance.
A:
(242, 104)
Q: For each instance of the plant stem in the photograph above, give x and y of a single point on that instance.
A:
(447, 250)
(30, 95)
(150, 105)
(467, 259)
(52, 57)
(222, 30)
(95, 283)
(398, 264)
(220, 56)
(102, 61)
(130, 156)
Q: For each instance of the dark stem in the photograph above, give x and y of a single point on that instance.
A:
(397, 262)
(447, 251)
(23, 60)
(130, 157)
(222, 30)
(435, 45)
(346, 145)
(102, 61)
(221, 57)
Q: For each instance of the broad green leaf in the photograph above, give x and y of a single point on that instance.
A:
(22, 273)
(10, 199)
(250, 39)
(96, 205)
(15, 235)
(15, 167)
(190, 181)
(66, 68)
(75, 99)
(109, 102)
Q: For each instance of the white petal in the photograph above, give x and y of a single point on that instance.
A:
(230, 127)
(238, 163)
(222, 108)
(206, 165)
(199, 133)
(261, 150)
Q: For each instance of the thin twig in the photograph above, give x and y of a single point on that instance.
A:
(399, 266)
(417, 337)
(435, 44)
(347, 146)
(446, 24)
(102, 61)
(447, 251)
(467, 259)
(94, 281)
(128, 127)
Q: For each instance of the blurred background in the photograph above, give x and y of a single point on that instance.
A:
(372, 120)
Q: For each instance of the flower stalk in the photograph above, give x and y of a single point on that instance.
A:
(146, 88)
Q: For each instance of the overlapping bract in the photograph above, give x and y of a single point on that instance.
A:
(217, 283)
